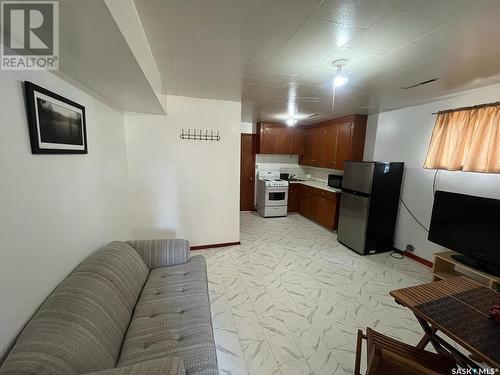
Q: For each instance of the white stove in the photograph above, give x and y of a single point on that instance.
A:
(280, 183)
(272, 194)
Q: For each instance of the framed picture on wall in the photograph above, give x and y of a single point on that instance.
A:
(56, 124)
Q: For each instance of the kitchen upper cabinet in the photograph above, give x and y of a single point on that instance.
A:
(312, 147)
(329, 144)
(274, 138)
(266, 139)
(297, 141)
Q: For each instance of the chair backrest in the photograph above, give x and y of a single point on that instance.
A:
(82, 324)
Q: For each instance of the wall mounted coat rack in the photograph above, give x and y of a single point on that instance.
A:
(200, 135)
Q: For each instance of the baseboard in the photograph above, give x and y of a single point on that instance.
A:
(212, 246)
(418, 259)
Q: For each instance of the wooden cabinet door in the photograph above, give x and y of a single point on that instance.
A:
(247, 172)
(319, 211)
(307, 205)
(308, 149)
(329, 218)
(297, 141)
(344, 141)
(317, 146)
(282, 141)
(294, 193)
(329, 159)
(267, 139)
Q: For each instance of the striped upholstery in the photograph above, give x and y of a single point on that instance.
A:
(172, 318)
(121, 264)
(160, 253)
(162, 366)
(81, 326)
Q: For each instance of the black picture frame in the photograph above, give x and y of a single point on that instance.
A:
(56, 124)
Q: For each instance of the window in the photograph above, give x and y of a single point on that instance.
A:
(466, 139)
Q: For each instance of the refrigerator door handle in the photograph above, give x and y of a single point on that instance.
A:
(357, 193)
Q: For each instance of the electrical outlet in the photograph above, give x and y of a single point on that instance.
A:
(410, 248)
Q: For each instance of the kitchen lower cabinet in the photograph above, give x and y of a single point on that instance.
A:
(294, 193)
(308, 204)
(318, 205)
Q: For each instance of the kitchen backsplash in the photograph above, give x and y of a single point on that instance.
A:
(290, 164)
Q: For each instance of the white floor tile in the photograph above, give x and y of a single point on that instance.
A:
(291, 298)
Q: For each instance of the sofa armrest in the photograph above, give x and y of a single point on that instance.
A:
(160, 253)
(160, 366)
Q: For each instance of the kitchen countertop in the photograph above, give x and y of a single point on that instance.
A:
(317, 184)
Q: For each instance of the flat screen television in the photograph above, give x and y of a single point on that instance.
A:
(470, 226)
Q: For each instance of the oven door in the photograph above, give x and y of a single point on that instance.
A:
(276, 196)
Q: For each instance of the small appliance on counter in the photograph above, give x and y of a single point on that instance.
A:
(369, 205)
(272, 194)
(335, 181)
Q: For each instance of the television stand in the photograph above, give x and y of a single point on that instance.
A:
(478, 265)
(444, 268)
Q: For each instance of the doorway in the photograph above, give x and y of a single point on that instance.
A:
(247, 172)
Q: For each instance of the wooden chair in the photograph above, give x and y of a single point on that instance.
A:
(387, 356)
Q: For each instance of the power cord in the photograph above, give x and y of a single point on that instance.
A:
(433, 193)
(400, 253)
(413, 216)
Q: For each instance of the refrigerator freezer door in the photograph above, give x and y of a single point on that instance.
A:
(358, 176)
(353, 221)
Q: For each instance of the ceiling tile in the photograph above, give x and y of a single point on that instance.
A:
(392, 32)
(252, 50)
(401, 59)
(355, 59)
(440, 10)
(362, 14)
(255, 93)
(274, 79)
(316, 77)
(315, 40)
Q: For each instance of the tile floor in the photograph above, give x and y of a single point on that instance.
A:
(290, 299)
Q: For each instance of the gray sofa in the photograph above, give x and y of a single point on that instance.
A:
(140, 307)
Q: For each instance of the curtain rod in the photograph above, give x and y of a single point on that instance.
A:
(467, 108)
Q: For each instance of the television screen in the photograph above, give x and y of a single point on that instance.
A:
(468, 225)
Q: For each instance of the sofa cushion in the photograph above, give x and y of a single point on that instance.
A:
(172, 318)
(123, 266)
(161, 366)
(81, 325)
(161, 253)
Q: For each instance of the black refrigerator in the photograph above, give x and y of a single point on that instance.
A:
(369, 205)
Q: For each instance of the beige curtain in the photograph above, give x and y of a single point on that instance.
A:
(466, 140)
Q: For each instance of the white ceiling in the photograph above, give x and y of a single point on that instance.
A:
(257, 51)
(94, 53)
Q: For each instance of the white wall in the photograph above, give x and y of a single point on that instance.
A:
(55, 209)
(248, 128)
(186, 189)
(404, 135)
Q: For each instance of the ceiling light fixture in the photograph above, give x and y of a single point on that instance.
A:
(339, 79)
(291, 121)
